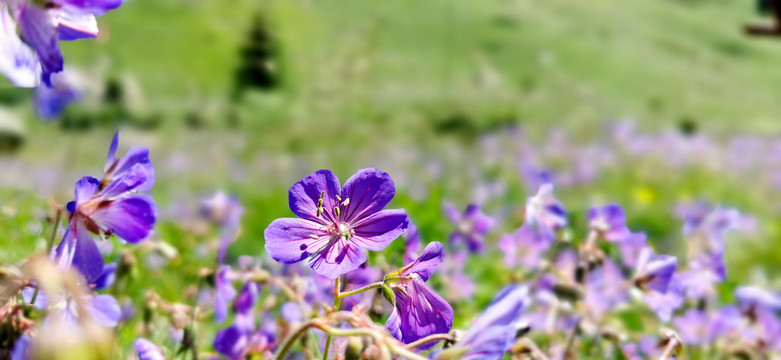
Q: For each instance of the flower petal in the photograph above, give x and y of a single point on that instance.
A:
(77, 249)
(131, 218)
(303, 196)
(290, 240)
(146, 350)
(339, 257)
(39, 29)
(104, 310)
(18, 62)
(377, 231)
(75, 24)
(130, 180)
(427, 263)
(421, 312)
(368, 191)
(137, 155)
(85, 189)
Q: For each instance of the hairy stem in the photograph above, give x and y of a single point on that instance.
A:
(428, 339)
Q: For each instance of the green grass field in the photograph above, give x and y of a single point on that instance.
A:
(363, 81)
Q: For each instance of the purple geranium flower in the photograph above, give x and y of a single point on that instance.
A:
(337, 224)
(17, 61)
(418, 310)
(494, 331)
(226, 212)
(50, 102)
(43, 28)
(223, 293)
(664, 304)
(108, 207)
(609, 221)
(696, 327)
(147, 350)
(411, 243)
(243, 338)
(605, 289)
(544, 212)
(631, 247)
(525, 247)
(752, 300)
(471, 227)
(654, 272)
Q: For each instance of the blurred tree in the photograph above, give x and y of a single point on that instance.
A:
(258, 68)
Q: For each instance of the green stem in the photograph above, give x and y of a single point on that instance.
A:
(360, 290)
(50, 244)
(428, 339)
(337, 307)
(288, 342)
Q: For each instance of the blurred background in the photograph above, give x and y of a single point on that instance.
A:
(649, 104)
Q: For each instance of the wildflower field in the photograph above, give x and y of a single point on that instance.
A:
(318, 179)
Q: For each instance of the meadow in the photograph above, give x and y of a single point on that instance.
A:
(655, 106)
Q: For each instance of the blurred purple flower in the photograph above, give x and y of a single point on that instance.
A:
(494, 331)
(609, 221)
(631, 247)
(664, 304)
(654, 272)
(43, 27)
(224, 292)
(412, 243)
(243, 338)
(525, 247)
(696, 327)
(418, 311)
(108, 207)
(544, 212)
(225, 211)
(752, 300)
(334, 230)
(471, 227)
(50, 101)
(605, 289)
(17, 62)
(146, 350)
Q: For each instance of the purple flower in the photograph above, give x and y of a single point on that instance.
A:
(411, 243)
(223, 293)
(494, 331)
(695, 327)
(631, 247)
(654, 272)
(43, 28)
(146, 350)
(471, 227)
(108, 207)
(609, 221)
(752, 300)
(226, 211)
(544, 212)
(243, 338)
(50, 102)
(336, 225)
(664, 304)
(17, 62)
(525, 247)
(23, 348)
(418, 311)
(605, 289)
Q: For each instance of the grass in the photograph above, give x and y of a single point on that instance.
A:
(364, 81)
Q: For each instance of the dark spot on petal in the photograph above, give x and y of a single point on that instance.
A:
(303, 247)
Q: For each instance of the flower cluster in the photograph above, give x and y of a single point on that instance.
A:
(336, 282)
